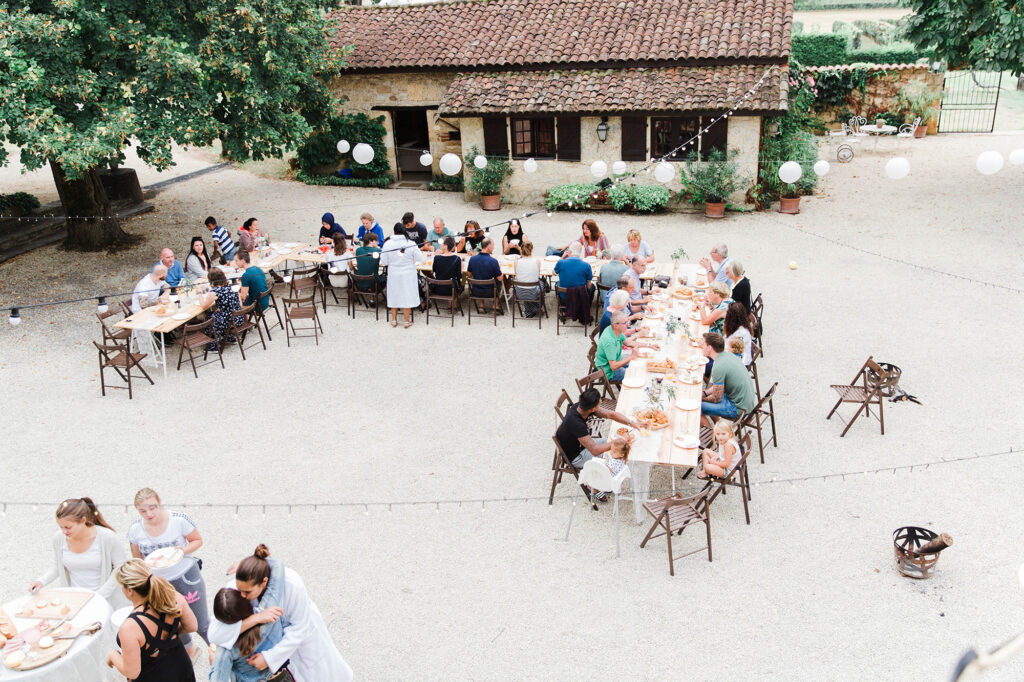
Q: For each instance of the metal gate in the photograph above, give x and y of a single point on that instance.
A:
(969, 100)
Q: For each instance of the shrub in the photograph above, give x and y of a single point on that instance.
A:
(560, 195)
(712, 181)
(446, 183)
(336, 180)
(490, 179)
(844, 28)
(819, 49)
(319, 149)
(641, 198)
(18, 203)
(897, 53)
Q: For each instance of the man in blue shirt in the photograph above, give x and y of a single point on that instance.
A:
(484, 266)
(254, 281)
(369, 225)
(221, 240)
(414, 229)
(573, 271)
(175, 273)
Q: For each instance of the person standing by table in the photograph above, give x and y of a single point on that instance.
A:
(160, 528)
(305, 645)
(221, 240)
(400, 255)
(149, 646)
(86, 550)
(197, 262)
(254, 281)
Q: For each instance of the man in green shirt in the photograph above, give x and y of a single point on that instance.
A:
(367, 260)
(436, 235)
(609, 348)
(732, 389)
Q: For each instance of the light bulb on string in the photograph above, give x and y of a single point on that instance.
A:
(101, 305)
(15, 318)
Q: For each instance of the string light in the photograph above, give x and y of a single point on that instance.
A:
(101, 305)
(15, 318)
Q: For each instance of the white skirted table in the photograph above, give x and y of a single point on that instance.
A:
(85, 661)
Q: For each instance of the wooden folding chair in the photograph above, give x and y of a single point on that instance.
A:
(300, 287)
(561, 405)
(755, 353)
(598, 380)
(118, 357)
(736, 477)
(564, 467)
(561, 319)
(599, 300)
(261, 314)
(760, 418)
(333, 274)
(519, 304)
(478, 302)
(301, 309)
(112, 334)
(756, 312)
(199, 336)
(450, 300)
(674, 514)
(366, 289)
(244, 321)
(864, 392)
(126, 307)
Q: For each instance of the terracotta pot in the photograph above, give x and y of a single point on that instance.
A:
(714, 210)
(920, 131)
(789, 205)
(880, 122)
(491, 202)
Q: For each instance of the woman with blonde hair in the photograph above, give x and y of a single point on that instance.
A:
(160, 527)
(150, 649)
(713, 314)
(86, 551)
(636, 246)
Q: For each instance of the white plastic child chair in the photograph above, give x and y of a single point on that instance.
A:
(595, 474)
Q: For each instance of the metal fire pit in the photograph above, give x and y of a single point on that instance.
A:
(906, 541)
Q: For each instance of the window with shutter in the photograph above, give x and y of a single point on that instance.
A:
(569, 138)
(634, 138)
(495, 137)
(533, 137)
(715, 138)
(669, 133)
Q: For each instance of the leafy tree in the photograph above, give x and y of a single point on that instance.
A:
(81, 79)
(978, 34)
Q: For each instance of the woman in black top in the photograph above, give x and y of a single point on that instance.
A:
(448, 266)
(151, 650)
(514, 238)
(473, 239)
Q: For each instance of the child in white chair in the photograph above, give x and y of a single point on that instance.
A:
(720, 462)
(616, 458)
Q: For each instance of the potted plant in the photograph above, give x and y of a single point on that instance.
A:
(789, 198)
(710, 183)
(919, 102)
(489, 180)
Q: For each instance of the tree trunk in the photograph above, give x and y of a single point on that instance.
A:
(91, 225)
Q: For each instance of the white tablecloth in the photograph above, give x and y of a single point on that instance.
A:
(85, 661)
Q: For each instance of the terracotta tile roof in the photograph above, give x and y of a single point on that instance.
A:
(681, 88)
(523, 33)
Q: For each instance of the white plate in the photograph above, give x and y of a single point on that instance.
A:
(181, 316)
(687, 404)
(696, 360)
(552, 259)
(633, 382)
(687, 442)
(290, 245)
(644, 351)
(165, 557)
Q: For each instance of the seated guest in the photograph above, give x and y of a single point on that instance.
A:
(715, 266)
(175, 273)
(721, 461)
(573, 271)
(732, 389)
(249, 235)
(636, 246)
(227, 302)
(618, 302)
(615, 268)
(221, 240)
(447, 266)
(335, 272)
(414, 229)
(735, 346)
(713, 313)
(197, 262)
(624, 283)
(609, 348)
(474, 237)
(514, 238)
(149, 288)
(484, 266)
(367, 260)
(737, 326)
(740, 284)
(368, 224)
(436, 235)
(573, 434)
(637, 267)
(527, 269)
(329, 228)
(254, 281)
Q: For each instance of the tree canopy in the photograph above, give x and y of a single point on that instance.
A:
(80, 78)
(977, 34)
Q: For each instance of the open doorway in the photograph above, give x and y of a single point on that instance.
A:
(411, 141)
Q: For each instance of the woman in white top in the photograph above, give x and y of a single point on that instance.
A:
(197, 263)
(737, 324)
(86, 551)
(720, 462)
(527, 269)
(337, 263)
(159, 528)
(636, 246)
(400, 255)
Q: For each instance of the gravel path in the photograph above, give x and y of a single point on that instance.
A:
(490, 591)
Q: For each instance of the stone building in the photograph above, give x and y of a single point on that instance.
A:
(565, 82)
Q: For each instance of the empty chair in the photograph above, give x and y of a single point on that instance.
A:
(599, 381)
(863, 391)
(199, 336)
(674, 514)
(301, 309)
(905, 135)
(244, 321)
(262, 314)
(112, 333)
(760, 419)
(116, 356)
(597, 477)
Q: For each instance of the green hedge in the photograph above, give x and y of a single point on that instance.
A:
(18, 203)
(897, 53)
(819, 49)
(337, 180)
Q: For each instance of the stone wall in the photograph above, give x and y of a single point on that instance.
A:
(881, 92)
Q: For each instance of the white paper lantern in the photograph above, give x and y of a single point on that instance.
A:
(480, 161)
(664, 172)
(897, 168)
(989, 163)
(790, 172)
(343, 146)
(599, 169)
(426, 159)
(1017, 157)
(362, 153)
(619, 168)
(821, 168)
(530, 166)
(450, 164)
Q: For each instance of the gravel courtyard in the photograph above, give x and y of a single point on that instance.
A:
(477, 582)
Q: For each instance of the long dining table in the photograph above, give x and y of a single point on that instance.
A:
(676, 445)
